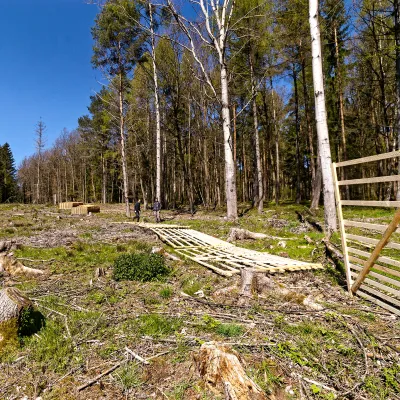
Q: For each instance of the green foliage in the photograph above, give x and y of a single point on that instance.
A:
(227, 330)
(158, 325)
(129, 377)
(140, 267)
(52, 348)
(166, 292)
(8, 175)
(30, 322)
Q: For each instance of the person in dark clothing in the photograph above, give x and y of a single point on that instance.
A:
(156, 209)
(137, 210)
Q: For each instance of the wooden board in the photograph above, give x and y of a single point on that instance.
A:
(69, 205)
(377, 157)
(223, 257)
(85, 209)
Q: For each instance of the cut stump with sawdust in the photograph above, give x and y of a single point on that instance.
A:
(220, 368)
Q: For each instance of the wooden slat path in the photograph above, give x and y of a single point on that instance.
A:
(222, 257)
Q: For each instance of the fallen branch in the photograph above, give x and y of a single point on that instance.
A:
(98, 377)
(134, 355)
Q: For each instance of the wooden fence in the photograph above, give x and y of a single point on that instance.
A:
(371, 254)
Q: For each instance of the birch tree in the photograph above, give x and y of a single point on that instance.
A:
(321, 121)
(217, 18)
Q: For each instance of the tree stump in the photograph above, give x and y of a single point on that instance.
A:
(12, 304)
(220, 367)
(253, 282)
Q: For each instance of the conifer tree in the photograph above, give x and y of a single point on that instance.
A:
(8, 175)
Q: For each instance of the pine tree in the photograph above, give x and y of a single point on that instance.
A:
(118, 46)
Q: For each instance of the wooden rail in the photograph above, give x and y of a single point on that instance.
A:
(374, 277)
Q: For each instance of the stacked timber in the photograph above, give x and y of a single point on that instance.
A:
(85, 209)
(68, 205)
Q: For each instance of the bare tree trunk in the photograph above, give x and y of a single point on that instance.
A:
(317, 185)
(322, 126)
(341, 110)
(396, 6)
(157, 108)
(297, 126)
(104, 180)
(259, 197)
(123, 143)
(276, 130)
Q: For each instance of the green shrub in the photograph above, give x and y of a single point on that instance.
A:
(140, 267)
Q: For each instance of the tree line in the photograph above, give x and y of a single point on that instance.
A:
(217, 106)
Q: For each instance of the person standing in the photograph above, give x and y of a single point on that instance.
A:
(156, 209)
(137, 210)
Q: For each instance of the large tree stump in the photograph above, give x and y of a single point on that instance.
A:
(17, 317)
(12, 302)
(220, 367)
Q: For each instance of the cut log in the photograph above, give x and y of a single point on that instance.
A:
(14, 267)
(240, 234)
(220, 367)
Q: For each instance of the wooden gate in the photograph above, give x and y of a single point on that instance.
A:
(371, 254)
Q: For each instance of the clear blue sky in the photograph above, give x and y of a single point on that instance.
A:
(45, 69)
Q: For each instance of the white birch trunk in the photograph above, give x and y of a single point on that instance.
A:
(230, 170)
(157, 107)
(320, 115)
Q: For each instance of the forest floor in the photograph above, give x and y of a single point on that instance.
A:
(348, 349)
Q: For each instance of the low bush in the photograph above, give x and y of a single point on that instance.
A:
(140, 267)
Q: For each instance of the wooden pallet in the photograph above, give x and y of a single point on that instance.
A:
(222, 257)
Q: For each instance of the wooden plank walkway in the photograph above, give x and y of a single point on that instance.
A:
(222, 257)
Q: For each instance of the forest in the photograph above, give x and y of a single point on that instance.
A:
(241, 118)
(157, 127)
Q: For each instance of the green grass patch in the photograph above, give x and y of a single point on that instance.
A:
(158, 325)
